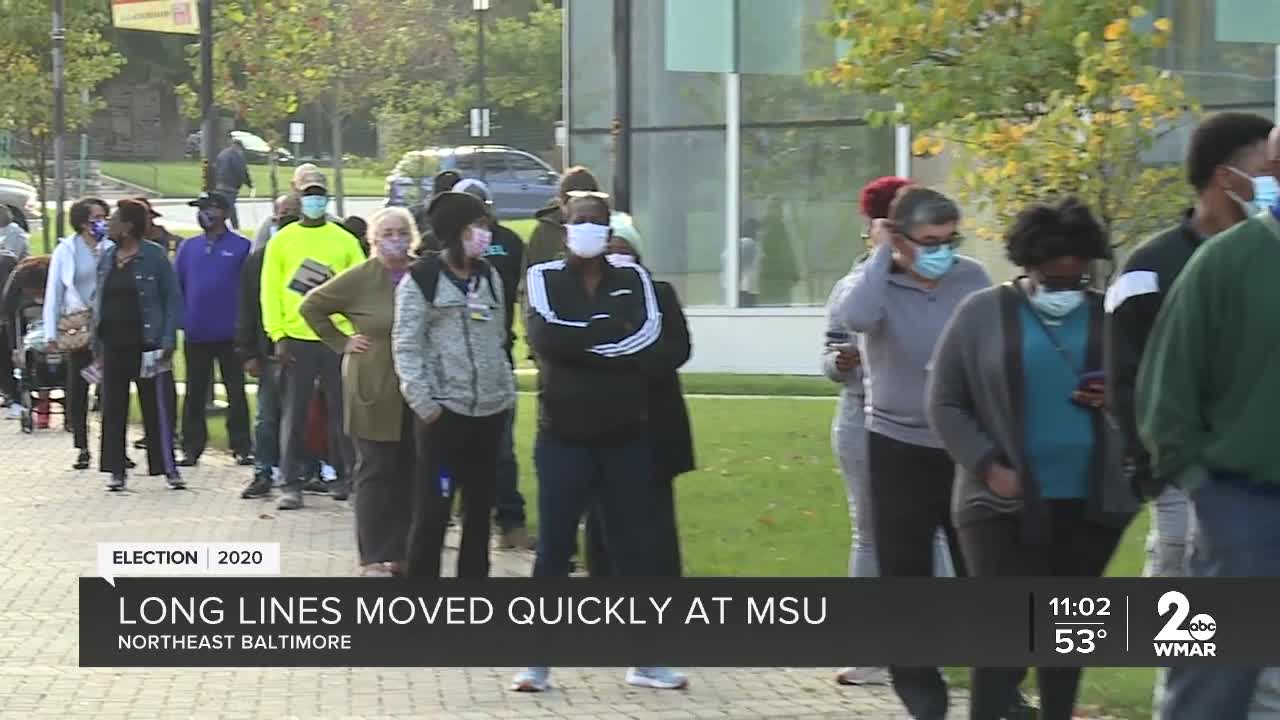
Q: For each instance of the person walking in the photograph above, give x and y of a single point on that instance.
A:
(300, 258)
(1016, 395)
(230, 173)
(842, 364)
(506, 255)
(449, 340)
(258, 357)
(594, 326)
(899, 300)
(1226, 156)
(1204, 403)
(13, 239)
(209, 269)
(136, 312)
(70, 294)
(378, 420)
(672, 437)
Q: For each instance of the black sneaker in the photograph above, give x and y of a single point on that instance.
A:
(244, 459)
(259, 488)
(339, 490)
(116, 482)
(129, 464)
(316, 486)
(188, 460)
(175, 481)
(140, 444)
(82, 461)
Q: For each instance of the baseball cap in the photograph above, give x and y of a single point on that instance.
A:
(312, 179)
(210, 199)
(477, 188)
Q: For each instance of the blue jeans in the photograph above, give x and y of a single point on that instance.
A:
(618, 480)
(1237, 536)
(266, 427)
(509, 504)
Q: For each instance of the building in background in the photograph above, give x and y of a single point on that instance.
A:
(744, 176)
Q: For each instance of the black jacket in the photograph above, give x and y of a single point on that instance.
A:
(594, 353)
(252, 342)
(506, 254)
(668, 416)
(1133, 302)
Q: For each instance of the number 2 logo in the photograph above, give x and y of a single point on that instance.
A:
(1202, 627)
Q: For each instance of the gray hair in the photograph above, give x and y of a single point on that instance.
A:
(915, 206)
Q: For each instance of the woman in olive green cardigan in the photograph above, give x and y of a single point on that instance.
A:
(377, 418)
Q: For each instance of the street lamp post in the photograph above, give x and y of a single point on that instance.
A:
(208, 116)
(59, 112)
(480, 126)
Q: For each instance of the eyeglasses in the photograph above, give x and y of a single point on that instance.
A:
(1065, 284)
(928, 248)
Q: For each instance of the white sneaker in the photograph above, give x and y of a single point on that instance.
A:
(863, 676)
(658, 678)
(328, 473)
(535, 679)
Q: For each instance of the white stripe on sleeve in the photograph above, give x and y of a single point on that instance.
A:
(1129, 285)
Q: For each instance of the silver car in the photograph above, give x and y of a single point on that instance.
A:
(23, 197)
(521, 183)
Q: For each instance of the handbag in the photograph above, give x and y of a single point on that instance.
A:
(74, 329)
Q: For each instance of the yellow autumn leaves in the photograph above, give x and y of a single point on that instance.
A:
(1119, 29)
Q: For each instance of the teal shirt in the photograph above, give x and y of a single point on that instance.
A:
(1059, 433)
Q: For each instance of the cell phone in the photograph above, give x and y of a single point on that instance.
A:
(1089, 379)
(840, 340)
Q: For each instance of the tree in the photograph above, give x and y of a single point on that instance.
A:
(26, 54)
(1049, 119)
(269, 57)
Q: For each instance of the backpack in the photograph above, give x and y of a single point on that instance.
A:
(426, 273)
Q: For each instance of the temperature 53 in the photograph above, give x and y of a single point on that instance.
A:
(1067, 640)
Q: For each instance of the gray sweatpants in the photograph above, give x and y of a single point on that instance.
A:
(849, 441)
(313, 362)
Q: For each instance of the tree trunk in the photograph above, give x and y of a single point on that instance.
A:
(40, 151)
(335, 125)
(273, 183)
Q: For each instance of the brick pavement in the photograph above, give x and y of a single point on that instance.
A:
(54, 516)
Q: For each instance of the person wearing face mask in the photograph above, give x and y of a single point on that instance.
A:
(258, 356)
(899, 300)
(1206, 413)
(449, 339)
(69, 294)
(1226, 163)
(378, 420)
(300, 258)
(302, 175)
(1016, 399)
(594, 328)
(209, 269)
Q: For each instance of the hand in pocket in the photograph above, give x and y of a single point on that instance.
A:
(1004, 482)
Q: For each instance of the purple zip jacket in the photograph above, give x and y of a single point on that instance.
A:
(209, 275)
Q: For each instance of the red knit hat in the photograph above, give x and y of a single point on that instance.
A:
(876, 197)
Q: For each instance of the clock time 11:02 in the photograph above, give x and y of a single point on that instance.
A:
(1080, 607)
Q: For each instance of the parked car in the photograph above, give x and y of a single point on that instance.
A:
(21, 196)
(255, 148)
(521, 183)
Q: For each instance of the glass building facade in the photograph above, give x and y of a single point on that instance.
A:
(744, 175)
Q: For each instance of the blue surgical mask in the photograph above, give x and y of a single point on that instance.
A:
(314, 206)
(1266, 192)
(99, 229)
(1056, 303)
(934, 262)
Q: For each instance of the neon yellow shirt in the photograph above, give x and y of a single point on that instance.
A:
(299, 259)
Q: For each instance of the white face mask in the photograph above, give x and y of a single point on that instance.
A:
(587, 240)
(1056, 304)
(620, 259)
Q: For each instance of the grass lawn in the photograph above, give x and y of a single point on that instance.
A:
(767, 501)
(182, 179)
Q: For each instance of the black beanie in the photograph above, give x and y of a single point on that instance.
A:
(450, 212)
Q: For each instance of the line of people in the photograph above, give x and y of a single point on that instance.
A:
(1015, 419)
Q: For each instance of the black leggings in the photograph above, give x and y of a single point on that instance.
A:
(910, 500)
(1076, 547)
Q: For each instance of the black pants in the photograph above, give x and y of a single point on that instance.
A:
(667, 541)
(77, 405)
(466, 448)
(195, 430)
(994, 548)
(384, 482)
(910, 500)
(313, 362)
(120, 367)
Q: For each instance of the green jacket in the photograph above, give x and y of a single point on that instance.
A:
(1209, 379)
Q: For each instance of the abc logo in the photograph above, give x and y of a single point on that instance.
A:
(1202, 627)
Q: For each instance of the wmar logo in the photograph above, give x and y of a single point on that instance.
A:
(1177, 640)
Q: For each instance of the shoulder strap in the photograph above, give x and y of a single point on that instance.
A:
(426, 273)
(1048, 331)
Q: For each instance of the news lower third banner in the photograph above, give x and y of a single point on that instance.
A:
(707, 622)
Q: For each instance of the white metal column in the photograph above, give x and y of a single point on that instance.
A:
(732, 184)
(902, 149)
